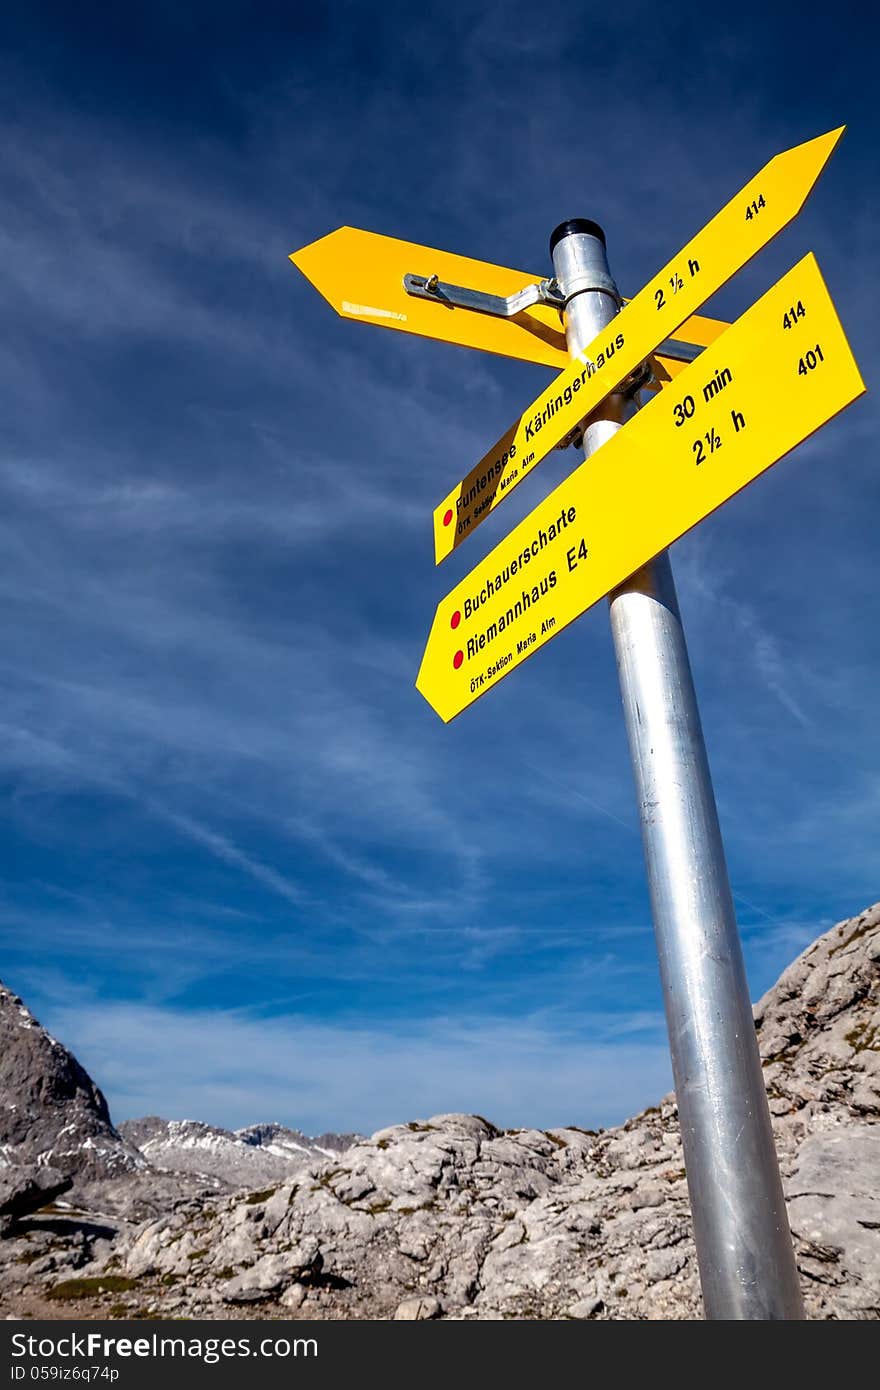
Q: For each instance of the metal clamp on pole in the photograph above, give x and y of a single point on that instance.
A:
(744, 1250)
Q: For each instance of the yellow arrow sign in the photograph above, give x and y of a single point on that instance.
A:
(361, 275)
(734, 235)
(774, 377)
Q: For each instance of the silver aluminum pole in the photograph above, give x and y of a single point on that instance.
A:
(744, 1250)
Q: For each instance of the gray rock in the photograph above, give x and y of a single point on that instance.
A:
(663, 1264)
(52, 1112)
(834, 1212)
(418, 1310)
(586, 1307)
(26, 1189)
(269, 1275)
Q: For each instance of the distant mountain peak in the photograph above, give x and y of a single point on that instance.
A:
(248, 1157)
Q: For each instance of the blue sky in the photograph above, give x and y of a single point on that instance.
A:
(247, 873)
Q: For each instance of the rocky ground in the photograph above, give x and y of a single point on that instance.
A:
(451, 1217)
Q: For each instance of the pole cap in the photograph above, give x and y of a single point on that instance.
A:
(573, 225)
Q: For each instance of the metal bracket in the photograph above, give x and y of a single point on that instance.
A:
(672, 347)
(546, 292)
(458, 297)
(628, 387)
(681, 352)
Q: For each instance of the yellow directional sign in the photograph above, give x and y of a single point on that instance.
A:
(361, 275)
(774, 377)
(734, 235)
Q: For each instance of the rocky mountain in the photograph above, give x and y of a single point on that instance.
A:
(51, 1112)
(275, 1138)
(248, 1157)
(452, 1217)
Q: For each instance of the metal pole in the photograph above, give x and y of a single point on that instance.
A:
(744, 1250)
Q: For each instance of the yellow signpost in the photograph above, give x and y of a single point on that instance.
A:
(779, 373)
(361, 275)
(747, 223)
(760, 388)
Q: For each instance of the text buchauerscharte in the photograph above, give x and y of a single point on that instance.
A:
(529, 595)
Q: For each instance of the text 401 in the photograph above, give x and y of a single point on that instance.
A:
(810, 360)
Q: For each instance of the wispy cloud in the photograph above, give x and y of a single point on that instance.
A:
(224, 849)
(733, 615)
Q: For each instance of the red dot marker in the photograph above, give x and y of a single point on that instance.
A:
(448, 517)
(458, 659)
(455, 619)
